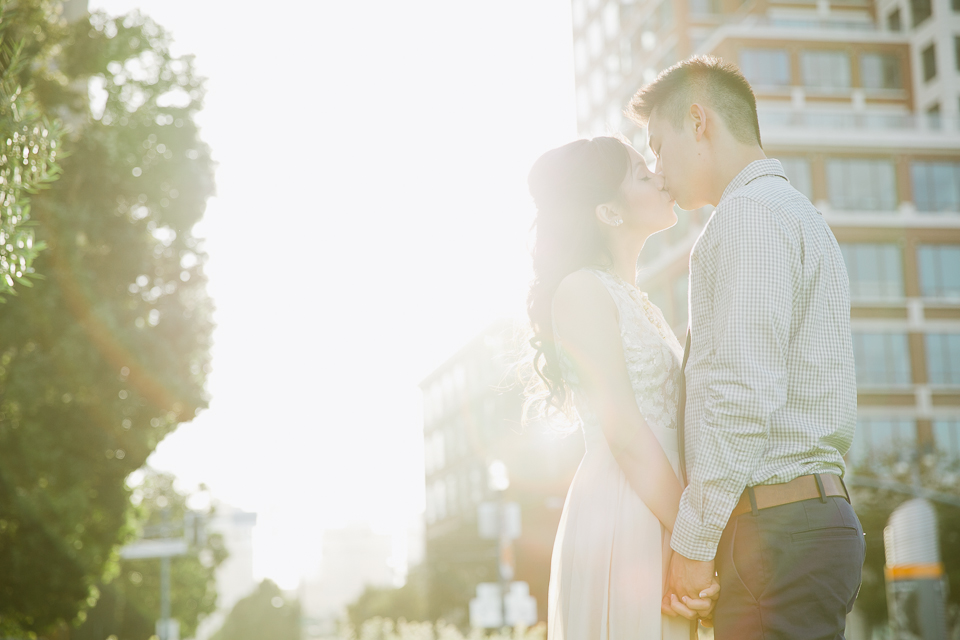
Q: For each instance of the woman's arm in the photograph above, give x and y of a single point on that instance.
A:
(586, 322)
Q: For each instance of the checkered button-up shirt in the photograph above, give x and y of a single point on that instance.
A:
(771, 389)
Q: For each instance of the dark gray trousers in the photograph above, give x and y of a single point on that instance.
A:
(790, 572)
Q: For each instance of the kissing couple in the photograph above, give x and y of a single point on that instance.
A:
(711, 490)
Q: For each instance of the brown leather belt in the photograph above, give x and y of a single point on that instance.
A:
(802, 488)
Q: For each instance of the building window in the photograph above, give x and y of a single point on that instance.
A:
(581, 56)
(579, 13)
(798, 172)
(598, 90)
(595, 39)
(939, 270)
(611, 19)
(862, 184)
(880, 71)
(933, 116)
(920, 10)
(452, 498)
(943, 358)
(936, 185)
(669, 58)
(893, 21)
(704, 7)
(828, 70)
(946, 437)
(875, 270)
(439, 500)
(766, 67)
(929, 59)
(882, 359)
(878, 439)
(439, 455)
(664, 14)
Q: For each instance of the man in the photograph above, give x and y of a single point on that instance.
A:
(770, 389)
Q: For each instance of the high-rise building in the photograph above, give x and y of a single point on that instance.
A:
(471, 411)
(354, 558)
(235, 576)
(860, 101)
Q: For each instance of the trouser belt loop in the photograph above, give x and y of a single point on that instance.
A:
(823, 492)
(845, 491)
(753, 500)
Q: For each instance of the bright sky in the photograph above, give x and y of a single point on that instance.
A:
(371, 217)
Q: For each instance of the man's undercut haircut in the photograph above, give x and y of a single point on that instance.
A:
(705, 80)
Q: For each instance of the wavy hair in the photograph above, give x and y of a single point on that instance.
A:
(567, 184)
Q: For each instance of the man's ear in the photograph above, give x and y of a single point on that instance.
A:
(606, 215)
(699, 116)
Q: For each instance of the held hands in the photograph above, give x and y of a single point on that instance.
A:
(692, 589)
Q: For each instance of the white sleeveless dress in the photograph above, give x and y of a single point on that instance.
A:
(610, 556)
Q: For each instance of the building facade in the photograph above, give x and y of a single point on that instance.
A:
(472, 409)
(354, 558)
(234, 576)
(860, 101)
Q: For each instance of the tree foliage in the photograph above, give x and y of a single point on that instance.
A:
(408, 602)
(266, 613)
(109, 353)
(129, 606)
(28, 152)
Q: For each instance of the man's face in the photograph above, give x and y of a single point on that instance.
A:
(677, 159)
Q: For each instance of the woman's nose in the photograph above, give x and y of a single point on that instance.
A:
(658, 177)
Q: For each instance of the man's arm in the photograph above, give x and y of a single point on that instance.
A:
(756, 266)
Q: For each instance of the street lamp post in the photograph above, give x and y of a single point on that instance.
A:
(499, 482)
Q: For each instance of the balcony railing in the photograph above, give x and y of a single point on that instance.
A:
(814, 23)
(863, 121)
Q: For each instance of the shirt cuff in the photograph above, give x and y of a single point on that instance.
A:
(693, 539)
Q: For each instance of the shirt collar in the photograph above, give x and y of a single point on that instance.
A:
(754, 170)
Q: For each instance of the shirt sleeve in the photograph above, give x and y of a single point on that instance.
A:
(755, 268)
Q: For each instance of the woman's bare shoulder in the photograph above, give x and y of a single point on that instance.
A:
(582, 297)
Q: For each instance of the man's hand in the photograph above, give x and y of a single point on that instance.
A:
(692, 588)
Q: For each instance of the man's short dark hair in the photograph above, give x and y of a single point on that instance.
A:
(706, 80)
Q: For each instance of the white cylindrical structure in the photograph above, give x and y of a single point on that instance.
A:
(910, 537)
(914, 573)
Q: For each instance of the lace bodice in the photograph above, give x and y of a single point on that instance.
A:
(652, 353)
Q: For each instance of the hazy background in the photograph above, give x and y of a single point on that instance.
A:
(371, 217)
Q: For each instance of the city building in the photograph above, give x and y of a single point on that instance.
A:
(353, 558)
(471, 411)
(234, 576)
(860, 101)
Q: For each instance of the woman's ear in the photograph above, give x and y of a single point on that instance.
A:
(607, 215)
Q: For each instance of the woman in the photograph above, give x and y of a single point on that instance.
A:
(607, 355)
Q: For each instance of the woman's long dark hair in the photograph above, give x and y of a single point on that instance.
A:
(567, 184)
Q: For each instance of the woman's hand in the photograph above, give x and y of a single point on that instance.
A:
(693, 608)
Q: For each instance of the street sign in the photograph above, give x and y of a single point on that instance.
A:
(172, 631)
(160, 548)
(520, 605)
(486, 610)
(488, 520)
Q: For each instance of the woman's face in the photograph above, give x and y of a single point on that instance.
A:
(644, 205)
